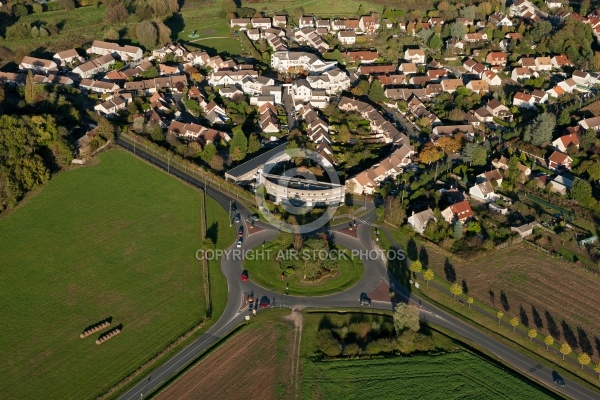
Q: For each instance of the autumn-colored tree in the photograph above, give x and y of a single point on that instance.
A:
(583, 359)
(430, 154)
(470, 301)
(416, 267)
(428, 275)
(565, 349)
(549, 341)
(532, 333)
(456, 290)
(450, 145)
(115, 13)
(499, 314)
(30, 90)
(514, 322)
(147, 34)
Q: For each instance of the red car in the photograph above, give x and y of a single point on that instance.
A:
(241, 231)
(264, 302)
(244, 276)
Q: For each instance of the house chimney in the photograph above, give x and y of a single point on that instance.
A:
(413, 212)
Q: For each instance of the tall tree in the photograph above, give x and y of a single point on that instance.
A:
(164, 33)
(115, 13)
(583, 359)
(208, 153)
(416, 267)
(238, 146)
(565, 349)
(584, 8)
(147, 34)
(456, 290)
(228, 6)
(548, 341)
(428, 275)
(253, 144)
(532, 333)
(406, 317)
(541, 129)
(582, 192)
(588, 140)
(457, 30)
(435, 42)
(514, 322)
(30, 90)
(480, 156)
(376, 93)
(66, 4)
(597, 369)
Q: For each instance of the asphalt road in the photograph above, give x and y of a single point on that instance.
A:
(375, 272)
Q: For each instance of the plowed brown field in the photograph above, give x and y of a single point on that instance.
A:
(545, 293)
(254, 364)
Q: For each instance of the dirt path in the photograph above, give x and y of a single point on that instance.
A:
(298, 320)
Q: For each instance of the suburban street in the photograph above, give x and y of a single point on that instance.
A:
(375, 272)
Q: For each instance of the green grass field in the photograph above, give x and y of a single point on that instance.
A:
(267, 273)
(460, 375)
(115, 239)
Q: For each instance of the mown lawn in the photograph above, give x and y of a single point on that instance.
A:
(460, 375)
(112, 240)
(265, 271)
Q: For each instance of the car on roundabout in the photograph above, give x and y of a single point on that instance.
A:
(244, 276)
(239, 244)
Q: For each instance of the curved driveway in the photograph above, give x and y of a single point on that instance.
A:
(375, 272)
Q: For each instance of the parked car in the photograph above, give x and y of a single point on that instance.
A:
(239, 243)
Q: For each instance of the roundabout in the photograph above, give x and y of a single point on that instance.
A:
(375, 277)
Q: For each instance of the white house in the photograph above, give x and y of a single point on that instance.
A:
(563, 142)
(523, 100)
(491, 78)
(67, 57)
(125, 53)
(283, 61)
(416, 56)
(420, 220)
(347, 37)
(95, 66)
(38, 65)
(483, 192)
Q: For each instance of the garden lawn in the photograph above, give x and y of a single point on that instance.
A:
(266, 273)
(460, 375)
(116, 239)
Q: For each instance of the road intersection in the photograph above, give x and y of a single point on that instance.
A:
(376, 271)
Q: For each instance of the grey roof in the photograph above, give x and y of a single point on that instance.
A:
(255, 163)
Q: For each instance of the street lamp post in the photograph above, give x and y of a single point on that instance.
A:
(229, 213)
(403, 189)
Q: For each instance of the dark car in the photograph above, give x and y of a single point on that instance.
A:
(244, 276)
(558, 379)
(264, 302)
(237, 218)
(364, 300)
(241, 231)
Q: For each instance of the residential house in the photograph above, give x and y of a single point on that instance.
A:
(215, 113)
(543, 64)
(450, 85)
(523, 100)
(373, 70)
(475, 37)
(491, 78)
(555, 92)
(112, 106)
(174, 49)
(230, 92)
(283, 61)
(499, 110)
(268, 121)
(527, 62)
(560, 61)
(368, 24)
(347, 37)
(500, 163)
(458, 212)
(408, 68)
(38, 65)
(306, 21)
(93, 67)
(500, 20)
(526, 229)
(125, 53)
(483, 192)
(419, 221)
(494, 177)
(99, 87)
(166, 70)
(582, 78)
(496, 58)
(539, 96)
(416, 56)
(563, 142)
(240, 23)
(590, 123)
(451, 130)
(68, 57)
(363, 56)
(456, 45)
(482, 115)
(261, 23)
(478, 86)
(521, 73)
(559, 161)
